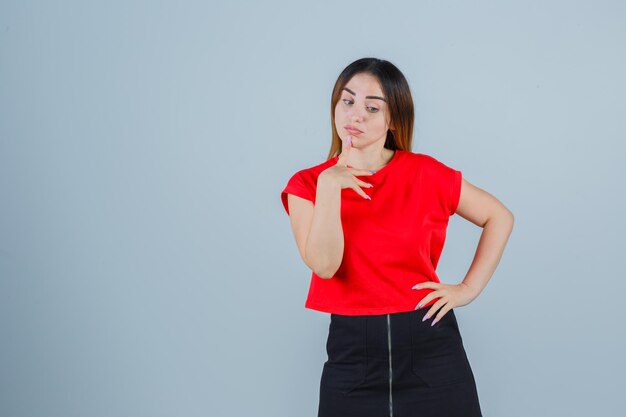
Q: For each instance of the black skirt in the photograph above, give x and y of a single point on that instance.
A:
(398, 366)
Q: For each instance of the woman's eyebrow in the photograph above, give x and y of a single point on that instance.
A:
(352, 92)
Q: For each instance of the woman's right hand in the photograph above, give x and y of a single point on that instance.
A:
(345, 176)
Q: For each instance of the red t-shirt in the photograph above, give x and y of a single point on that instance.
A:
(392, 241)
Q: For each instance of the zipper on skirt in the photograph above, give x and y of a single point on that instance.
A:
(390, 367)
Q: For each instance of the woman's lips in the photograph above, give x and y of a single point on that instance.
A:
(352, 130)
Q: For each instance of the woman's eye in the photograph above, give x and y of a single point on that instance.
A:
(370, 108)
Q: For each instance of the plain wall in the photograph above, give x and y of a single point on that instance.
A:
(147, 266)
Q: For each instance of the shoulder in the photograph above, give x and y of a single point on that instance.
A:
(304, 182)
(443, 179)
(311, 173)
(422, 162)
(425, 158)
(432, 163)
(306, 178)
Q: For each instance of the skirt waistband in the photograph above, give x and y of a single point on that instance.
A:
(368, 335)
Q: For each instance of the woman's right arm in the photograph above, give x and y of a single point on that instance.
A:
(317, 228)
(323, 241)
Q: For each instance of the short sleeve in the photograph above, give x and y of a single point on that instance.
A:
(448, 185)
(456, 191)
(296, 186)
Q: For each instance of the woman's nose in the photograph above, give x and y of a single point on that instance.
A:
(355, 115)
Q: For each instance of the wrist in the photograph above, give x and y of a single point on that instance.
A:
(325, 181)
(473, 291)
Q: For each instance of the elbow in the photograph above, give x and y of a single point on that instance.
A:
(507, 220)
(326, 273)
(510, 218)
(324, 265)
(501, 216)
(317, 269)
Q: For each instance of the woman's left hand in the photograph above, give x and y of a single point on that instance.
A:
(450, 296)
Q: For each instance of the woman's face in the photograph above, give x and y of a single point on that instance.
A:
(362, 105)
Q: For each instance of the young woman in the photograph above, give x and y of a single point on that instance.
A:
(370, 222)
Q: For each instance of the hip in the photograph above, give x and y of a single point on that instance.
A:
(433, 355)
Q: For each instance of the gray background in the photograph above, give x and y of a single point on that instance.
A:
(147, 267)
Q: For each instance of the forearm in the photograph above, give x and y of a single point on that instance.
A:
(325, 242)
(491, 245)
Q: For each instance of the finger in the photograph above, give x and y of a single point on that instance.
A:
(345, 151)
(424, 301)
(433, 309)
(430, 312)
(363, 183)
(360, 192)
(425, 284)
(441, 313)
(360, 172)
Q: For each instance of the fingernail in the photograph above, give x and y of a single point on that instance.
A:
(370, 185)
(425, 318)
(419, 305)
(368, 197)
(433, 323)
(372, 171)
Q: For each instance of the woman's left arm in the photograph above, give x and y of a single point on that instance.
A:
(484, 210)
